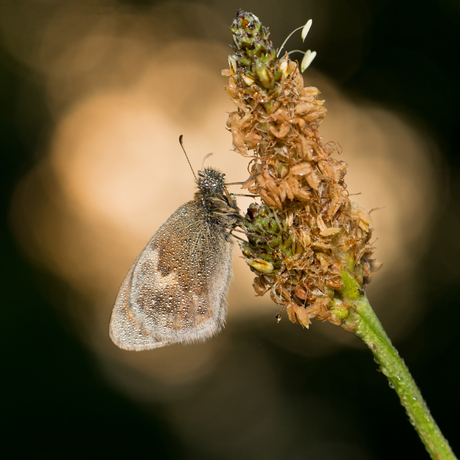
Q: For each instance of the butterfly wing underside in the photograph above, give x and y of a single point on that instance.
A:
(175, 290)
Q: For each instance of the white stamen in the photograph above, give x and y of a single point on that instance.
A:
(306, 29)
(307, 60)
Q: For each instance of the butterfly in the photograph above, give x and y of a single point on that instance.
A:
(175, 290)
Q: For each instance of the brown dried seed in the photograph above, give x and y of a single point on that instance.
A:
(306, 148)
(323, 314)
(303, 318)
(334, 320)
(336, 199)
(327, 168)
(280, 130)
(320, 152)
(311, 91)
(303, 237)
(290, 310)
(311, 116)
(298, 81)
(239, 103)
(270, 184)
(321, 245)
(301, 122)
(282, 192)
(316, 309)
(300, 292)
(282, 115)
(301, 169)
(364, 219)
(238, 143)
(270, 200)
(294, 184)
(330, 232)
(232, 119)
(252, 140)
(259, 287)
(342, 168)
(232, 88)
(304, 108)
(285, 294)
(302, 195)
(284, 185)
(335, 283)
(324, 261)
(325, 231)
(320, 223)
(247, 120)
(313, 180)
(261, 179)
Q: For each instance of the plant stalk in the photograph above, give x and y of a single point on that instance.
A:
(363, 322)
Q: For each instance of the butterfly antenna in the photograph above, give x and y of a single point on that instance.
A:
(181, 137)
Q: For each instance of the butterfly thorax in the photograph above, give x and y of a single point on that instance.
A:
(217, 203)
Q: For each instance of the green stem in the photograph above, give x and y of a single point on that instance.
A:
(364, 323)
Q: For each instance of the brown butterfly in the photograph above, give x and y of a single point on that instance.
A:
(175, 290)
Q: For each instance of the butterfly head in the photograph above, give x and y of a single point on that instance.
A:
(211, 182)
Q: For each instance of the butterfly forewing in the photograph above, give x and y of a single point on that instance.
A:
(175, 291)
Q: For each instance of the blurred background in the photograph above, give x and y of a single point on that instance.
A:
(94, 95)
